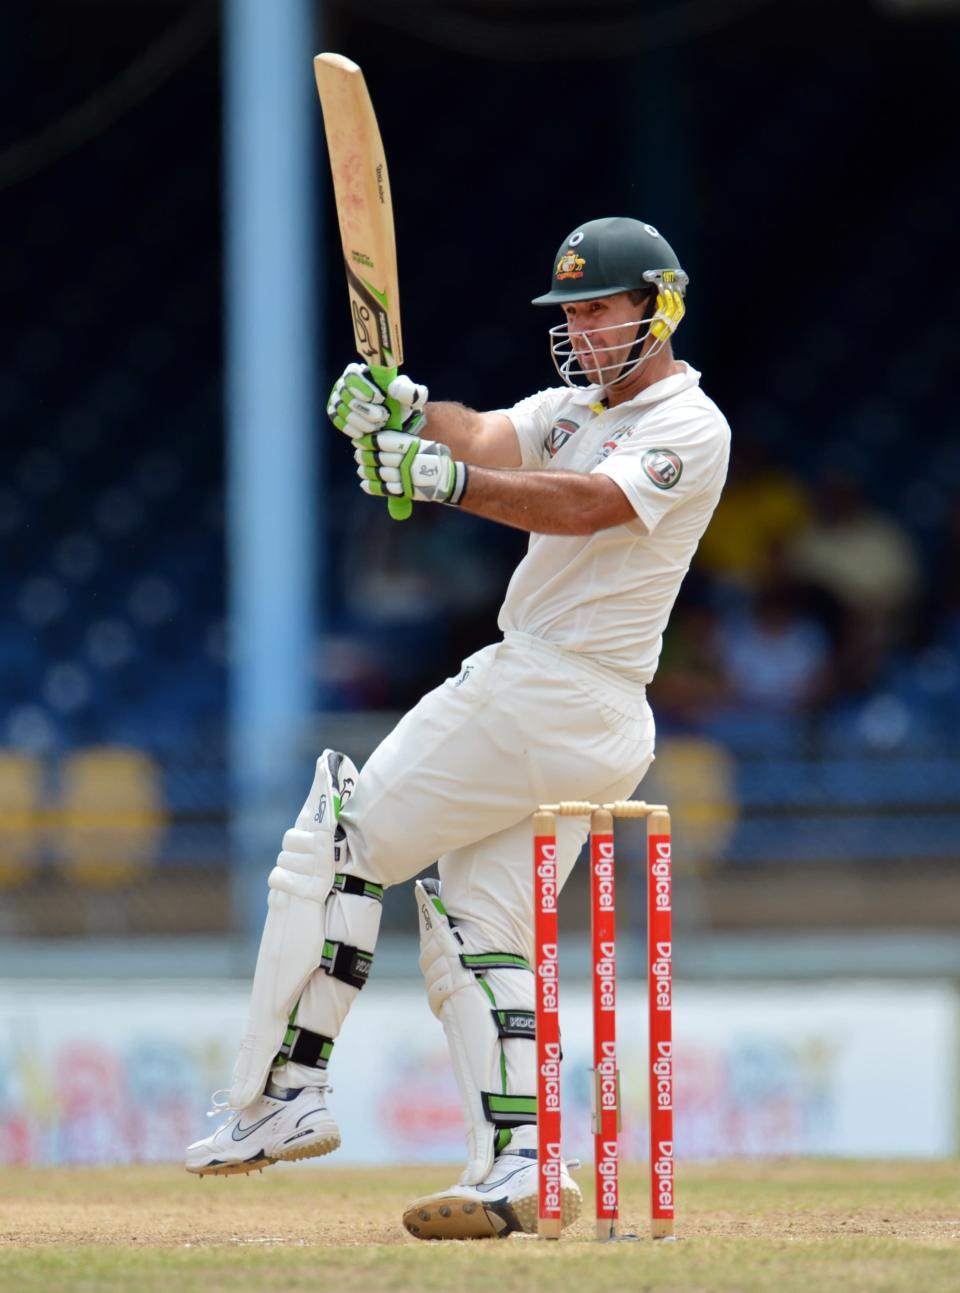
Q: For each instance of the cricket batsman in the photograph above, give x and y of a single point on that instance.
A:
(614, 473)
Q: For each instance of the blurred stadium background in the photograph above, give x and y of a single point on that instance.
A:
(196, 598)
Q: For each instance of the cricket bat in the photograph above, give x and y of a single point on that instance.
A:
(365, 214)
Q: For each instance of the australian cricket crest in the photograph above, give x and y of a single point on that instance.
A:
(570, 265)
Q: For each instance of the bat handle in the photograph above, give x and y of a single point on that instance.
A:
(399, 508)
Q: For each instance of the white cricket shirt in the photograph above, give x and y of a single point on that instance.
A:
(607, 596)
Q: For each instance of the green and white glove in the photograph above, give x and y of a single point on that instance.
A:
(358, 406)
(393, 464)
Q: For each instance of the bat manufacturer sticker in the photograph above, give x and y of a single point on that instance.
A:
(663, 466)
(371, 322)
(570, 265)
(361, 330)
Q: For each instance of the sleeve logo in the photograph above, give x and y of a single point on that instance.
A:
(560, 433)
(663, 466)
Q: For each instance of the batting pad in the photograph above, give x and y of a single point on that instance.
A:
(484, 1002)
(292, 945)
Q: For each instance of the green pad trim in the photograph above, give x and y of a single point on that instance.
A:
(493, 961)
(352, 884)
(509, 1110)
(503, 1055)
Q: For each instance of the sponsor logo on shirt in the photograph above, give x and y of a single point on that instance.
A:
(608, 446)
(560, 433)
(663, 466)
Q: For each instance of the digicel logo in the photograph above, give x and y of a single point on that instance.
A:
(548, 1092)
(603, 875)
(607, 1172)
(550, 1175)
(606, 974)
(548, 974)
(660, 974)
(608, 1091)
(547, 878)
(660, 874)
(663, 1172)
(662, 1069)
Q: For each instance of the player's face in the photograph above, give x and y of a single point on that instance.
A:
(602, 332)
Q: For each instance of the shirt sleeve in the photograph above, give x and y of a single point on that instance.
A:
(668, 462)
(532, 418)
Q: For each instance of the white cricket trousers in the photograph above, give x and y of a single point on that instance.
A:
(457, 780)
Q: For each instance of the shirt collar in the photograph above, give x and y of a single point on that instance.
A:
(662, 390)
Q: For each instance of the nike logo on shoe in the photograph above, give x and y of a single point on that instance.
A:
(241, 1133)
(495, 1185)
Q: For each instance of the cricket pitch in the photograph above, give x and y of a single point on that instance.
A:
(747, 1227)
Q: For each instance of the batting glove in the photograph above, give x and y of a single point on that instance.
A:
(391, 463)
(358, 406)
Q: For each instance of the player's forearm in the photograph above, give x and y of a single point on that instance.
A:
(546, 502)
(453, 425)
(487, 439)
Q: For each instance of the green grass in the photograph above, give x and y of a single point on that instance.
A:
(788, 1226)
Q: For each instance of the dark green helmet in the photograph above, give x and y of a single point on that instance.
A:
(615, 254)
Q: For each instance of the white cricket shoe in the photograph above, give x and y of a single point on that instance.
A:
(507, 1201)
(274, 1128)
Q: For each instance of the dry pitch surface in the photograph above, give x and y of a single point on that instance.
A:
(746, 1227)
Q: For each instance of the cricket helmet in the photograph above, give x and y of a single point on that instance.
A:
(603, 258)
(615, 254)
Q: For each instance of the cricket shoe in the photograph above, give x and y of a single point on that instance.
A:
(275, 1128)
(507, 1201)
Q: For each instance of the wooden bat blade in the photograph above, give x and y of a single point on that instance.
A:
(364, 209)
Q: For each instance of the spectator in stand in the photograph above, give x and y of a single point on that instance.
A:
(860, 556)
(776, 659)
(767, 657)
(763, 508)
(864, 567)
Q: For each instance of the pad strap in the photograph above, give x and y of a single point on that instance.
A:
(493, 961)
(354, 885)
(301, 1046)
(348, 964)
(506, 1111)
(515, 1023)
